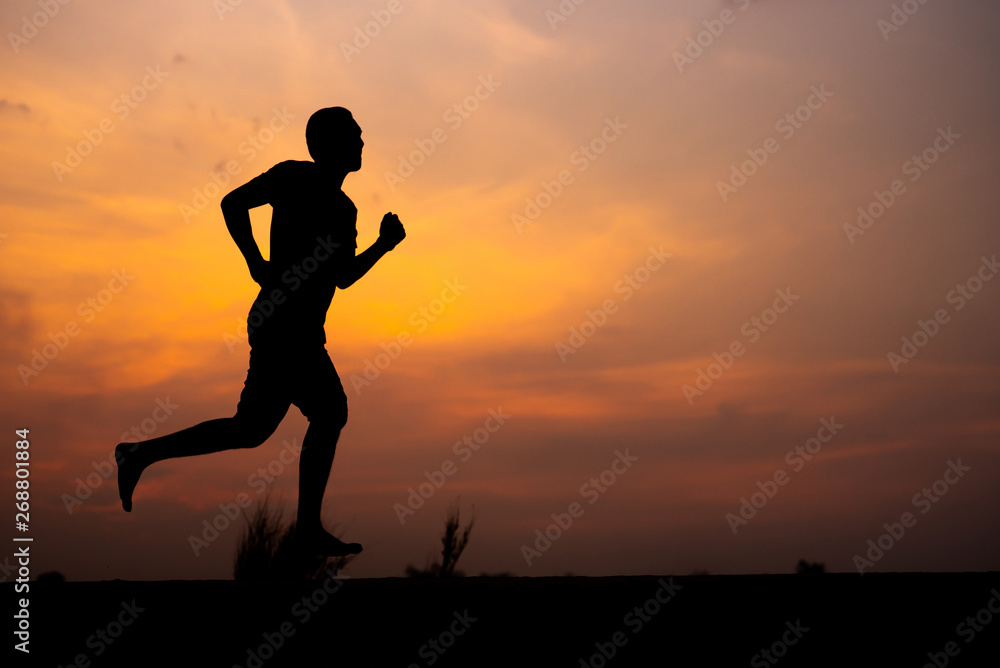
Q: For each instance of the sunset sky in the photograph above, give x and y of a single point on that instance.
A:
(632, 231)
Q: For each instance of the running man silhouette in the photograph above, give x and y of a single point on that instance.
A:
(313, 245)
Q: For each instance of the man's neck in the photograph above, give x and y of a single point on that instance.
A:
(334, 176)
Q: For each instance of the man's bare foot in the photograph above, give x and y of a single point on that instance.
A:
(323, 544)
(129, 471)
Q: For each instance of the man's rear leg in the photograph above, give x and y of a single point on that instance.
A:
(210, 436)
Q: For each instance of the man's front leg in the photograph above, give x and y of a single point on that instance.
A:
(315, 462)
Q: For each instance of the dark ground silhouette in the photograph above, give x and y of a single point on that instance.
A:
(838, 619)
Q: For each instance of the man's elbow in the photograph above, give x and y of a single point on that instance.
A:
(349, 277)
(346, 276)
(230, 204)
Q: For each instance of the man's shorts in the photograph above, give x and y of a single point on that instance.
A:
(282, 376)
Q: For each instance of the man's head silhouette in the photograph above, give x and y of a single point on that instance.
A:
(334, 139)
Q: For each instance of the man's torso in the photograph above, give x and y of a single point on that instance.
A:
(313, 231)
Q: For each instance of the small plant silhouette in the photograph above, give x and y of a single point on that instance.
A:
(267, 550)
(806, 568)
(453, 543)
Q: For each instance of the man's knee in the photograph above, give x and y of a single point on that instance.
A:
(252, 431)
(338, 416)
(332, 417)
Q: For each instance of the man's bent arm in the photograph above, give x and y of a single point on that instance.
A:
(390, 234)
(358, 266)
(236, 211)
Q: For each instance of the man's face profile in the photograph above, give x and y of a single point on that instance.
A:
(334, 139)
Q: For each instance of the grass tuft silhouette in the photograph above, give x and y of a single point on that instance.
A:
(453, 543)
(267, 550)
